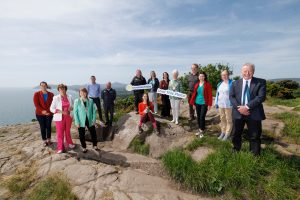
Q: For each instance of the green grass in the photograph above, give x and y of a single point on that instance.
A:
(54, 187)
(53, 129)
(21, 180)
(292, 124)
(139, 147)
(284, 102)
(235, 176)
(297, 109)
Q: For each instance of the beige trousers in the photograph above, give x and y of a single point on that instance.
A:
(226, 120)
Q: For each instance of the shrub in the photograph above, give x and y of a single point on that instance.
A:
(285, 93)
(290, 84)
(213, 72)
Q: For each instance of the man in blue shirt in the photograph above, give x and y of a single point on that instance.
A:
(94, 93)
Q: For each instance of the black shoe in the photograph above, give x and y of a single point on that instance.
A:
(192, 118)
(140, 130)
(137, 112)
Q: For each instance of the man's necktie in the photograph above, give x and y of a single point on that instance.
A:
(246, 93)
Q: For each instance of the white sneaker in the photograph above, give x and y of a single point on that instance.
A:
(176, 123)
(199, 132)
(59, 151)
(71, 146)
(221, 136)
(173, 121)
(201, 135)
(225, 137)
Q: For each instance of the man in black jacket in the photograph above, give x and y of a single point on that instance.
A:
(247, 96)
(108, 95)
(138, 94)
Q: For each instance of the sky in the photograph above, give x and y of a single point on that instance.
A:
(67, 41)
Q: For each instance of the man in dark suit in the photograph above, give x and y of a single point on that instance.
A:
(246, 97)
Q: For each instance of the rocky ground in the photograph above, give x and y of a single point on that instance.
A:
(114, 172)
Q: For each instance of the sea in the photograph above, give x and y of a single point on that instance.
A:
(16, 105)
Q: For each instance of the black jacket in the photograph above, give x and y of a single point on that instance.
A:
(257, 97)
(108, 96)
(138, 81)
(155, 86)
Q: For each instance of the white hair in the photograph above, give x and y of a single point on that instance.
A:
(175, 71)
(249, 65)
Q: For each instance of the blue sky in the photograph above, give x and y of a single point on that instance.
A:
(69, 40)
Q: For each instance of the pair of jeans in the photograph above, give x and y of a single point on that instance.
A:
(191, 108)
(166, 106)
(63, 129)
(175, 104)
(148, 117)
(153, 99)
(226, 120)
(201, 111)
(138, 97)
(92, 131)
(109, 114)
(45, 125)
(98, 105)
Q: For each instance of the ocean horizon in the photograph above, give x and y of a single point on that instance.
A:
(17, 106)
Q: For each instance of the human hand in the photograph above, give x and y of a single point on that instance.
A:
(243, 110)
(44, 112)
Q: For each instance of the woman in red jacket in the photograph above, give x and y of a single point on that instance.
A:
(201, 101)
(42, 101)
(146, 110)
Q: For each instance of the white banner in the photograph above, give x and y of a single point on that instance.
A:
(138, 87)
(171, 93)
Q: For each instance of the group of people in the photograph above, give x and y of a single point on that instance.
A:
(62, 110)
(238, 102)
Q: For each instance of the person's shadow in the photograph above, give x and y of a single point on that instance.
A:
(101, 156)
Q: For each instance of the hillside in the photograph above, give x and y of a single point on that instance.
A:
(173, 165)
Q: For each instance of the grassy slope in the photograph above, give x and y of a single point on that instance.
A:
(235, 176)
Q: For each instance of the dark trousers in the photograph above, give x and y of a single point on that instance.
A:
(92, 131)
(201, 111)
(109, 114)
(45, 125)
(138, 97)
(147, 117)
(98, 105)
(191, 109)
(166, 106)
(254, 134)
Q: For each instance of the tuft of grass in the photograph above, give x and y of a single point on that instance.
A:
(21, 180)
(207, 141)
(235, 176)
(292, 124)
(297, 109)
(284, 102)
(53, 187)
(138, 146)
(53, 129)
